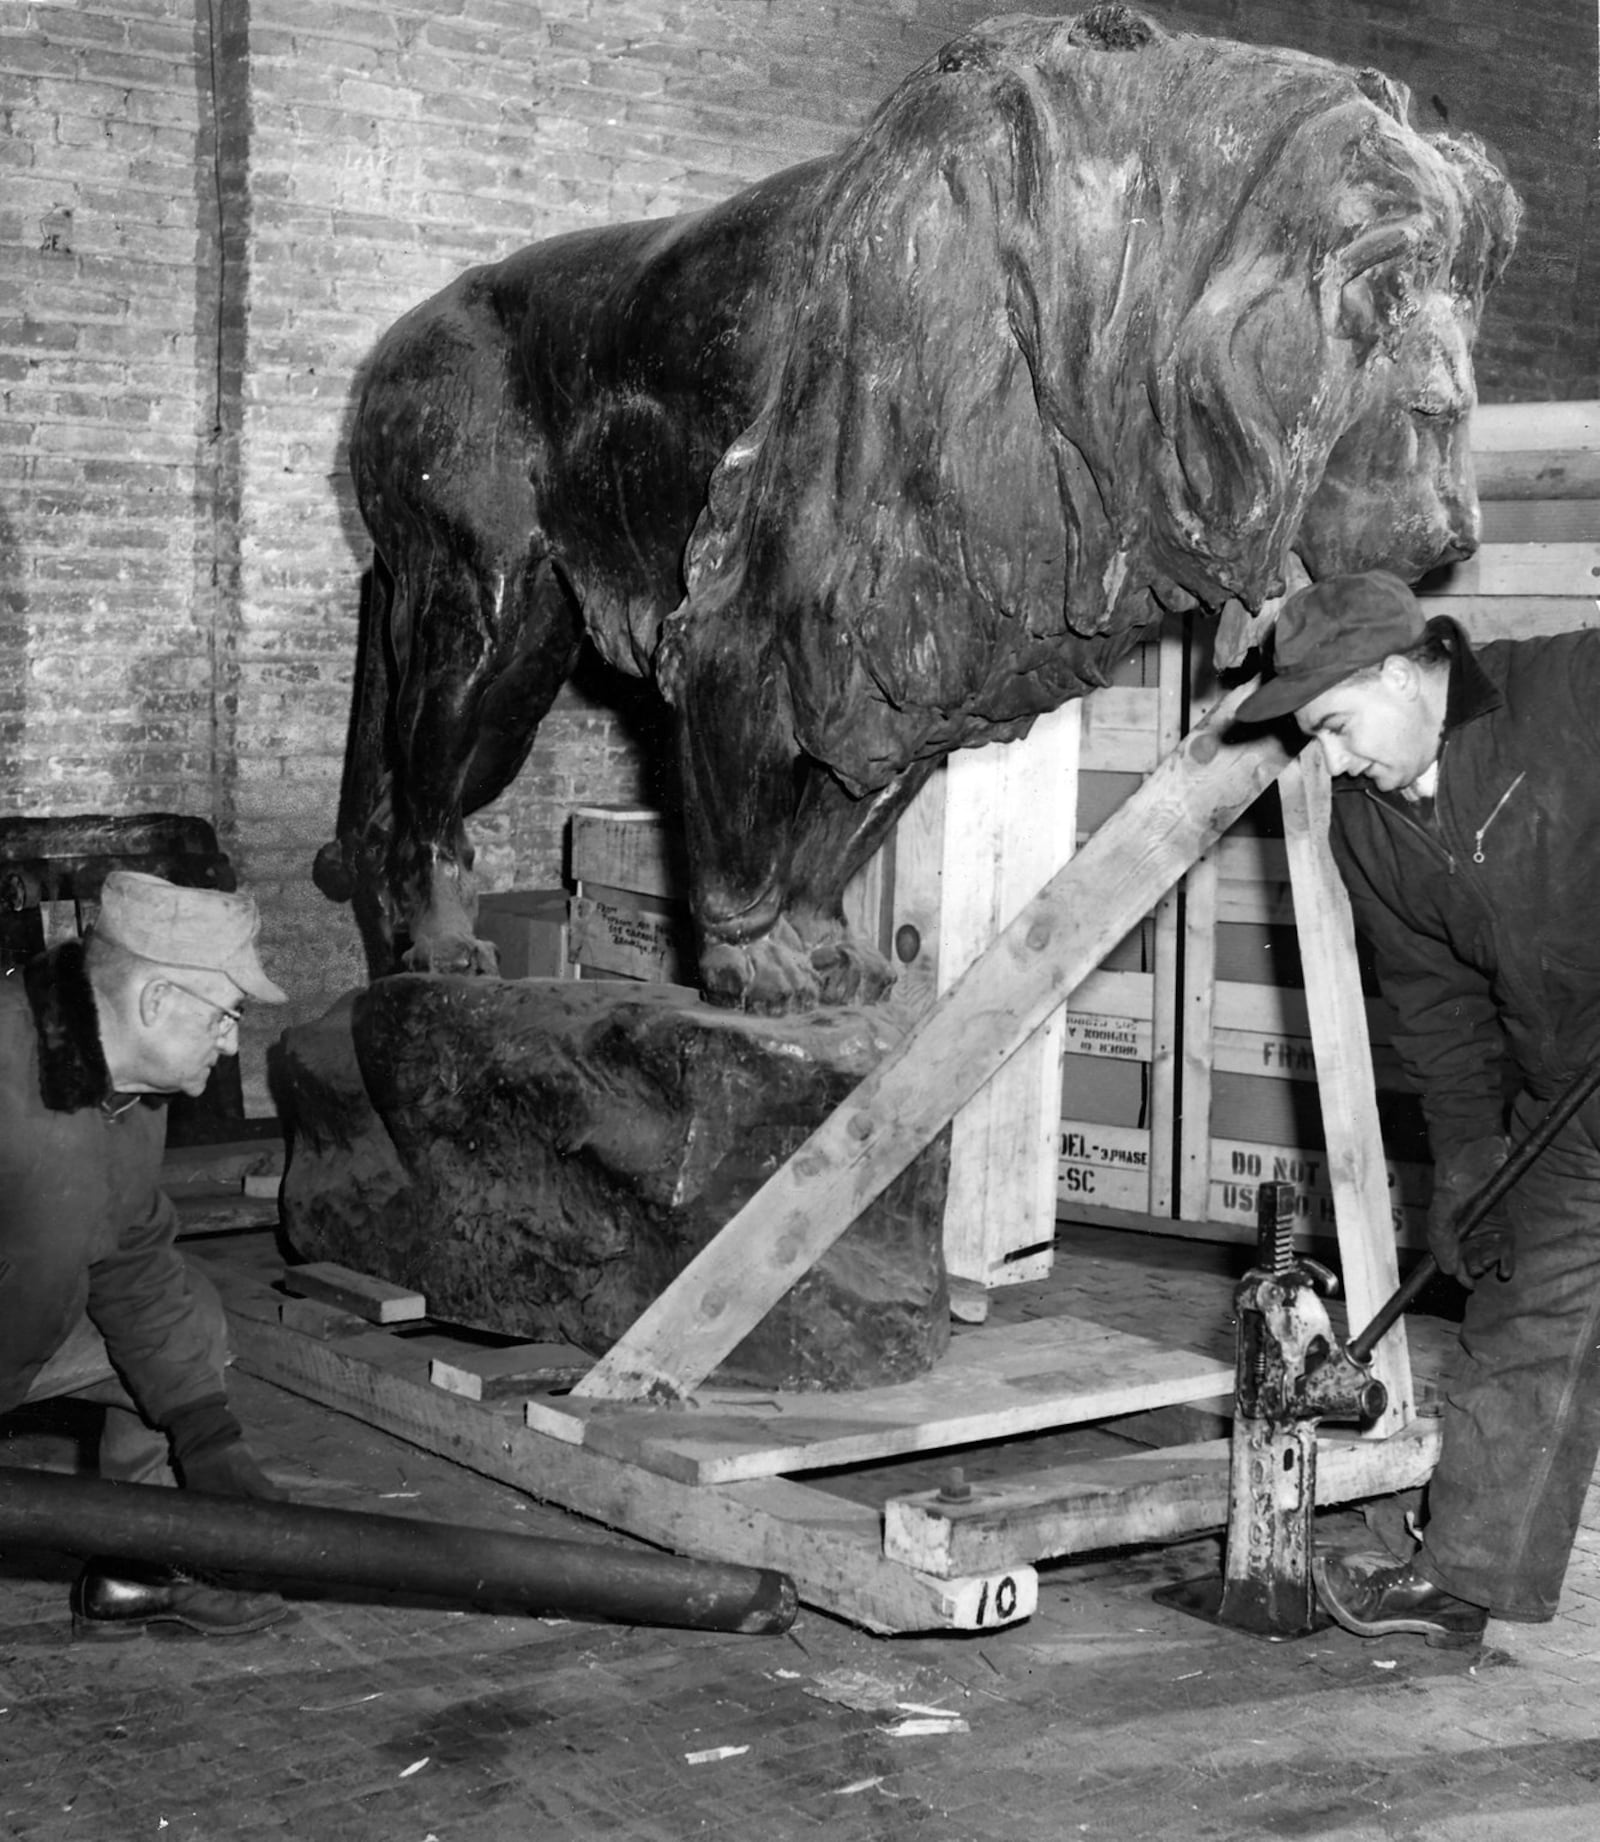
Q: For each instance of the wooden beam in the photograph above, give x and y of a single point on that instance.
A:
(1164, 1495)
(945, 1058)
(1346, 1090)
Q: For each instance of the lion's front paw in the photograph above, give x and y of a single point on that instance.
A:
(849, 972)
(454, 954)
(779, 974)
(770, 976)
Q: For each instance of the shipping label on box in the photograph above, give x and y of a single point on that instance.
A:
(1125, 1039)
(1239, 1165)
(1108, 1166)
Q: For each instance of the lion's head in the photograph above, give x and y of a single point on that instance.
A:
(1095, 319)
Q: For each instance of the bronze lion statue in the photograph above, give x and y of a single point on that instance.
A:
(896, 449)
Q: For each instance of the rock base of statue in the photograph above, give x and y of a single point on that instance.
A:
(542, 1157)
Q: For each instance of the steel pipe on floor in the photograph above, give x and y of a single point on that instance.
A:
(296, 1541)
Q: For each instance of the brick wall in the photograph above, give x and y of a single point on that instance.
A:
(210, 210)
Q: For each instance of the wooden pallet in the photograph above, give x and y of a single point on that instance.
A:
(882, 1539)
(643, 1444)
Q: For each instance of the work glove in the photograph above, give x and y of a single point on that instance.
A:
(1456, 1180)
(210, 1454)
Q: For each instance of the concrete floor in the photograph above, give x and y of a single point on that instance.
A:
(370, 1719)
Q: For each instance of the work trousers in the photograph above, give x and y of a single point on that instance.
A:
(1522, 1403)
(131, 1450)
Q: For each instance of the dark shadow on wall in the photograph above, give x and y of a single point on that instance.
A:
(222, 278)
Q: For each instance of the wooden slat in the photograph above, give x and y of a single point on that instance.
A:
(1544, 474)
(518, 1369)
(1498, 428)
(1515, 617)
(376, 1300)
(948, 1054)
(1167, 1020)
(1164, 1495)
(1293, 1058)
(1523, 570)
(1009, 825)
(916, 890)
(1542, 521)
(1348, 1098)
(993, 1383)
(625, 847)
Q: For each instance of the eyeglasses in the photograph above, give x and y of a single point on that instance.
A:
(222, 1019)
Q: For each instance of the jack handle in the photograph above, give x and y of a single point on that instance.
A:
(1359, 1349)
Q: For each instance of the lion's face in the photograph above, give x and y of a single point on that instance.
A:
(1398, 491)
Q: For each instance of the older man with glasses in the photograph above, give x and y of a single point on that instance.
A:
(95, 1299)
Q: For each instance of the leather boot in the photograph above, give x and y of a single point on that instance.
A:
(121, 1598)
(1375, 1598)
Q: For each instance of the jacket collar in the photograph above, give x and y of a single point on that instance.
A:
(1472, 692)
(72, 1064)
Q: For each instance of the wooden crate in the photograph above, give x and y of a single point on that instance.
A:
(1244, 1104)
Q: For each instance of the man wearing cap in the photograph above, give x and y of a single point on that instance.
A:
(1466, 825)
(95, 1299)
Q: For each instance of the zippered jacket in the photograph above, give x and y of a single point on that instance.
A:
(84, 1224)
(1483, 906)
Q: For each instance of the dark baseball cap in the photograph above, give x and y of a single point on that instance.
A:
(1330, 630)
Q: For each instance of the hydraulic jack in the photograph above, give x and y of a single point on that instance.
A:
(1290, 1372)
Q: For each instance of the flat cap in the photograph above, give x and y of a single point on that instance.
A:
(204, 930)
(1330, 630)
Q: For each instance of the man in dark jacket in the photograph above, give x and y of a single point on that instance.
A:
(95, 1298)
(1467, 830)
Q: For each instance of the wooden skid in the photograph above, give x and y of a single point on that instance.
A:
(994, 1383)
(1164, 1495)
(831, 1547)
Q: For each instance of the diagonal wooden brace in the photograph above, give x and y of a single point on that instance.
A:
(1008, 993)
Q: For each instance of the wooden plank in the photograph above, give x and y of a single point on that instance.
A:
(626, 847)
(1542, 521)
(1010, 821)
(1202, 896)
(1164, 1495)
(866, 898)
(1348, 1098)
(1524, 569)
(1114, 994)
(830, 1546)
(1515, 617)
(947, 1055)
(1542, 474)
(1164, 1093)
(1498, 428)
(194, 1168)
(376, 1300)
(994, 1383)
(517, 1369)
(917, 879)
(1121, 730)
(1285, 1010)
(1294, 1058)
